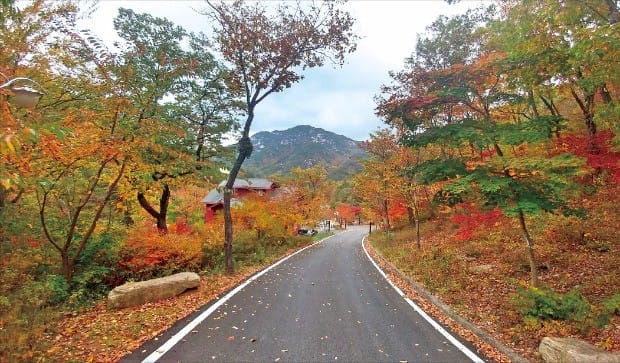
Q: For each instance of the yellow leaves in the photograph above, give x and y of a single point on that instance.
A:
(606, 344)
(6, 146)
(6, 183)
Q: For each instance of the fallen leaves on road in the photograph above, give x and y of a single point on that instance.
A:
(482, 346)
(104, 335)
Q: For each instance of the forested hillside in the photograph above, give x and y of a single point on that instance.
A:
(494, 182)
(501, 154)
(101, 180)
(304, 147)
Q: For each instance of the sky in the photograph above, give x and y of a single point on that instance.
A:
(334, 98)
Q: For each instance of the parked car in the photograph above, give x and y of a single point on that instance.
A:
(307, 232)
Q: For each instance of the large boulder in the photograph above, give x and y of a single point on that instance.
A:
(571, 350)
(137, 293)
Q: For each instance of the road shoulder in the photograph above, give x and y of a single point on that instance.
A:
(486, 345)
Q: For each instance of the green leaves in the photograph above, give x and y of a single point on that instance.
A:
(539, 129)
(438, 170)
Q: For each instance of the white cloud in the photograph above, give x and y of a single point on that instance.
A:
(336, 99)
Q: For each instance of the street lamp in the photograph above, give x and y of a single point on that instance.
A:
(24, 96)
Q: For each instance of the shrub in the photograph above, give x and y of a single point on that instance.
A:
(57, 288)
(96, 269)
(147, 253)
(609, 308)
(543, 303)
(473, 220)
(606, 159)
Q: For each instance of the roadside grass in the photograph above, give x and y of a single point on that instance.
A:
(484, 279)
(319, 236)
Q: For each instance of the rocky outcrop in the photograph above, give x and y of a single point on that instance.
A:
(137, 293)
(571, 350)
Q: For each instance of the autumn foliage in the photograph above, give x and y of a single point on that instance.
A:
(148, 253)
(603, 158)
(472, 221)
(511, 114)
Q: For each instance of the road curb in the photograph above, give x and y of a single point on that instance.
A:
(481, 334)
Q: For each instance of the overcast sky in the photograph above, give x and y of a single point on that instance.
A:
(335, 99)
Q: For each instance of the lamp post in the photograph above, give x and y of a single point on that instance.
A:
(24, 96)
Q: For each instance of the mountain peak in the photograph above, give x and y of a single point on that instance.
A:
(303, 146)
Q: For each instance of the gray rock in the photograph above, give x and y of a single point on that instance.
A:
(137, 293)
(571, 350)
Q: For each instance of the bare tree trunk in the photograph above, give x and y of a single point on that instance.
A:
(416, 213)
(245, 150)
(530, 250)
(228, 232)
(160, 216)
(410, 216)
(66, 267)
(530, 99)
(386, 214)
(417, 233)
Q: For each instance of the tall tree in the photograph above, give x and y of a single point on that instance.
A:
(375, 184)
(25, 53)
(310, 190)
(268, 49)
(488, 151)
(568, 46)
(74, 165)
(182, 103)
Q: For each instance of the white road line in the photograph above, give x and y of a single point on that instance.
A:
(159, 352)
(471, 355)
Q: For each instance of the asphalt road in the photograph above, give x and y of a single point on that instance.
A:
(327, 303)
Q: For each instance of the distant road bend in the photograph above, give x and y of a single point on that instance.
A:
(326, 303)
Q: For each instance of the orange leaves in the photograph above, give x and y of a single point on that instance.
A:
(348, 212)
(147, 253)
(51, 146)
(397, 210)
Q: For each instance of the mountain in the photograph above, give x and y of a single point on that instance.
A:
(303, 146)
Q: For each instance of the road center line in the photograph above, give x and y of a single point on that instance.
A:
(471, 355)
(159, 352)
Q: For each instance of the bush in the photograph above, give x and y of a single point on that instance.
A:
(57, 288)
(609, 308)
(546, 304)
(148, 254)
(96, 269)
(472, 221)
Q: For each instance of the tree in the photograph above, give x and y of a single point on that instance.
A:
(71, 163)
(570, 47)
(25, 53)
(156, 68)
(347, 213)
(267, 50)
(490, 148)
(374, 185)
(310, 191)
